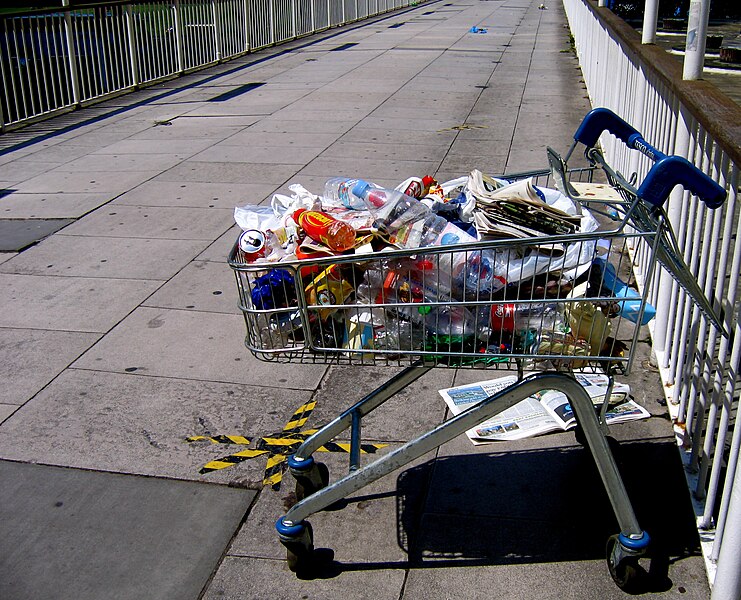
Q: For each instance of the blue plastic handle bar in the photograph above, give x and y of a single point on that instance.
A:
(675, 170)
(603, 119)
(667, 172)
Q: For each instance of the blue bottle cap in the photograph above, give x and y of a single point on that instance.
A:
(360, 188)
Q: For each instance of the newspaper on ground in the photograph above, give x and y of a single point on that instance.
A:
(540, 413)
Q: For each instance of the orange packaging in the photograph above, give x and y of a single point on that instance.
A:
(327, 230)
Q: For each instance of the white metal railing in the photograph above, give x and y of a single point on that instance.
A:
(699, 366)
(59, 59)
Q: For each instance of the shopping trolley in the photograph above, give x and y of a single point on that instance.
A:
(550, 304)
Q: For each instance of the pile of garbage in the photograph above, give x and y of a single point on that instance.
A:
(448, 292)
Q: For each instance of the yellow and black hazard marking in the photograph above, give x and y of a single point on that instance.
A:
(277, 447)
(221, 439)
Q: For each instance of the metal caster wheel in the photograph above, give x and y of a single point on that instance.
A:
(299, 543)
(623, 564)
(311, 481)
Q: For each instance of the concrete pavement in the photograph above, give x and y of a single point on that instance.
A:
(120, 336)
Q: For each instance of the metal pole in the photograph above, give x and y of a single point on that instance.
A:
(650, 18)
(133, 46)
(662, 333)
(71, 55)
(247, 27)
(697, 28)
(727, 585)
(217, 31)
(178, 20)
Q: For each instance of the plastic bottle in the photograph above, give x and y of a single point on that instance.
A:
(484, 272)
(336, 235)
(391, 209)
(340, 190)
(410, 223)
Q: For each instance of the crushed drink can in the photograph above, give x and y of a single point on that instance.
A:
(328, 288)
(252, 245)
(503, 318)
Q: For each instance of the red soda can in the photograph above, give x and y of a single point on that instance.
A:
(252, 244)
(503, 318)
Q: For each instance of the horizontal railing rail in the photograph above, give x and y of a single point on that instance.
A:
(699, 365)
(60, 59)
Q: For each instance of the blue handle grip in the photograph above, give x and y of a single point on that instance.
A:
(675, 170)
(667, 172)
(603, 119)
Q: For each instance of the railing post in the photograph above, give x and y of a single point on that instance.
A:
(178, 20)
(133, 46)
(293, 19)
(217, 33)
(650, 18)
(273, 35)
(727, 585)
(697, 28)
(2, 73)
(674, 211)
(247, 43)
(71, 55)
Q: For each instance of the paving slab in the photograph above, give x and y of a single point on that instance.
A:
(104, 535)
(190, 127)
(155, 222)
(135, 424)
(229, 172)
(365, 530)
(372, 169)
(64, 303)
(370, 151)
(149, 341)
(6, 410)
(63, 181)
(289, 123)
(31, 358)
(172, 148)
(196, 194)
(582, 580)
(249, 578)
(569, 515)
(110, 257)
(254, 153)
(220, 248)
(20, 205)
(207, 286)
(17, 170)
(293, 139)
(413, 411)
(125, 162)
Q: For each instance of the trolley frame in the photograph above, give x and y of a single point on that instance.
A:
(635, 215)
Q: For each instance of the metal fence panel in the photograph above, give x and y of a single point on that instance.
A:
(62, 58)
(699, 367)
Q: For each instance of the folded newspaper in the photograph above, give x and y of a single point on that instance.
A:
(541, 413)
(516, 210)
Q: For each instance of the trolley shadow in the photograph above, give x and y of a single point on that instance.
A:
(534, 506)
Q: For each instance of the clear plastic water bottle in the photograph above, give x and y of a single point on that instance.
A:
(340, 190)
(483, 272)
(410, 223)
(391, 209)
